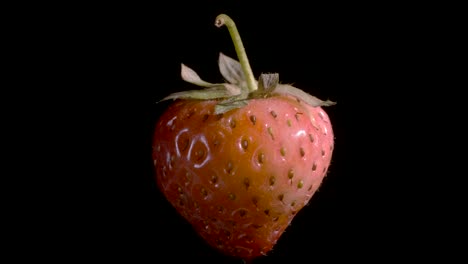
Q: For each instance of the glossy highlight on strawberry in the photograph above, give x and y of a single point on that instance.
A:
(238, 160)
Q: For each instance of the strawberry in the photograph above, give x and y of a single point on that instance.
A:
(238, 160)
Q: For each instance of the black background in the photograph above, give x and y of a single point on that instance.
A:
(108, 65)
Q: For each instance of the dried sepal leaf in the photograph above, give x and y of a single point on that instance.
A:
(267, 82)
(211, 90)
(232, 89)
(228, 105)
(217, 92)
(191, 76)
(235, 94)
(298, 93)
(231, 69)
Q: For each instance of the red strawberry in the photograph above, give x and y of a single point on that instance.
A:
(239, 160)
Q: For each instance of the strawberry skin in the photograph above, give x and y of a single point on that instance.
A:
(240, 177)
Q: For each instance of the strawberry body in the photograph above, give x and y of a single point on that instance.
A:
(240, 177)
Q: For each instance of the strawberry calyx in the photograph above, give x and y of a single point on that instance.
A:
(241, 85)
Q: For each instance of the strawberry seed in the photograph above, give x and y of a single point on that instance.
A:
(256, 226)
(261, 158)
(246, 183)
(220, 209)
(311, 138)
(242, 212)
(253, 119)
(302, 152)
(229, 167)
(297, 115)
(300, 184)
(232, 123)
(244, 144)
(187, 178)
(272, 180)
(204, 192)
(255, 201)
(270, 132)
(181, 202)
(248, 239)
(214, 179)
(281, 197)
(273, 114)
(283, 151)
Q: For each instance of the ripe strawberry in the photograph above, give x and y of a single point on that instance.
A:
(238, 160)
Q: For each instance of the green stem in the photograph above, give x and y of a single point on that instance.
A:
(223, 19)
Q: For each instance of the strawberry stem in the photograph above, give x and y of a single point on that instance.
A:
(223, 19)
